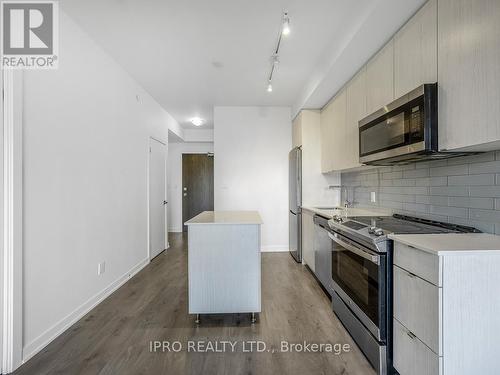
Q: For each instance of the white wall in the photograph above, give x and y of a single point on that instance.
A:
(198, 135)
(174, 180)
(86, 142)
(251, 146)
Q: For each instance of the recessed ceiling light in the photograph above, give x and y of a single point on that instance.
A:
(196, 121)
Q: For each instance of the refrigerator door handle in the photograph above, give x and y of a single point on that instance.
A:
(299, 178)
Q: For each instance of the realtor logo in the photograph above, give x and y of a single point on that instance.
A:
(30, 34)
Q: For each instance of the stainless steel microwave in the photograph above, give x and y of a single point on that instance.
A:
(403, 131)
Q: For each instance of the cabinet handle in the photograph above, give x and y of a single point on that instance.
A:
(411, 275)
(411, 335)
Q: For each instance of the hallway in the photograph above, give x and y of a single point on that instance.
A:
(115, 337)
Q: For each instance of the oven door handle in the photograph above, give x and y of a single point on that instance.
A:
(356, 250)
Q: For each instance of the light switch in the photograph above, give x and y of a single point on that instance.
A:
(101, 268)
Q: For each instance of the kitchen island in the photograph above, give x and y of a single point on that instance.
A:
(224, 263)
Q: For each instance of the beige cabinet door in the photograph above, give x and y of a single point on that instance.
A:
(415, 51)
(308, 238)
(333, 134)
(356, 110)
(339, 107)
(326, 126)
(469, 74)
(297, 131)
(380, 79)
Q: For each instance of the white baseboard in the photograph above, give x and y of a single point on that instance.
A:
(274, 249)
(175, 230)
(57, 329)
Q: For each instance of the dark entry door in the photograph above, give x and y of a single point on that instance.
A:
(197, 185)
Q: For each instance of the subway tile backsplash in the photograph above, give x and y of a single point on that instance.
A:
(462, 190)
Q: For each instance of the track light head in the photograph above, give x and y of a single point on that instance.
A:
(286, 24)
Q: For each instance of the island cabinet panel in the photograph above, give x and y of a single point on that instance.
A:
(415, 51)
(469, 74)
(224, 268)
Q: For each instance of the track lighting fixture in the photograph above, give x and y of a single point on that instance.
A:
(284, 30)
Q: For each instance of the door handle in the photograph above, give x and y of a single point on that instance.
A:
(362, 253)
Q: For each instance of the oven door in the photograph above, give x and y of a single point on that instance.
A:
(359, 279)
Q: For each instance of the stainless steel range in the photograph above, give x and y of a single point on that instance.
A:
(362, 277)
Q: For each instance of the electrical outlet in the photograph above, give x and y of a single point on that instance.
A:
(101, 268)
(373, 197)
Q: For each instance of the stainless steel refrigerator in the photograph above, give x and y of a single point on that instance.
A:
(295, 203)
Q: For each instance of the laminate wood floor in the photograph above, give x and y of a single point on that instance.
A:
(115, 337)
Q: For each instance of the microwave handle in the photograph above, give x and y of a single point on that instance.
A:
(363, 254)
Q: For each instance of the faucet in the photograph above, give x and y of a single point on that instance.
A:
(347, 202)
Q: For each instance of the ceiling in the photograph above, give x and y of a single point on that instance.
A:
(192, 55)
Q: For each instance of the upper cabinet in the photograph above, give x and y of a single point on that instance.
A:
(327, 139)
(453, 42)
(415, 51)
(333, 134)
(339, 107)
(469, 74)
(356, 110)
(380, 79)
(297, 131)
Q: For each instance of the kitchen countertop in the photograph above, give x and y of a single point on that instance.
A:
(226, 217)
(353, 211)
(451, 243)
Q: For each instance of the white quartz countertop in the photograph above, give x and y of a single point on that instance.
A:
(355, 211)
(452, 243)
(226, 217)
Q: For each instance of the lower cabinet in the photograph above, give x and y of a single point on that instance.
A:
(422, 320)
(323, 257)
(446, 308)
(308, 239)
(412, 356)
